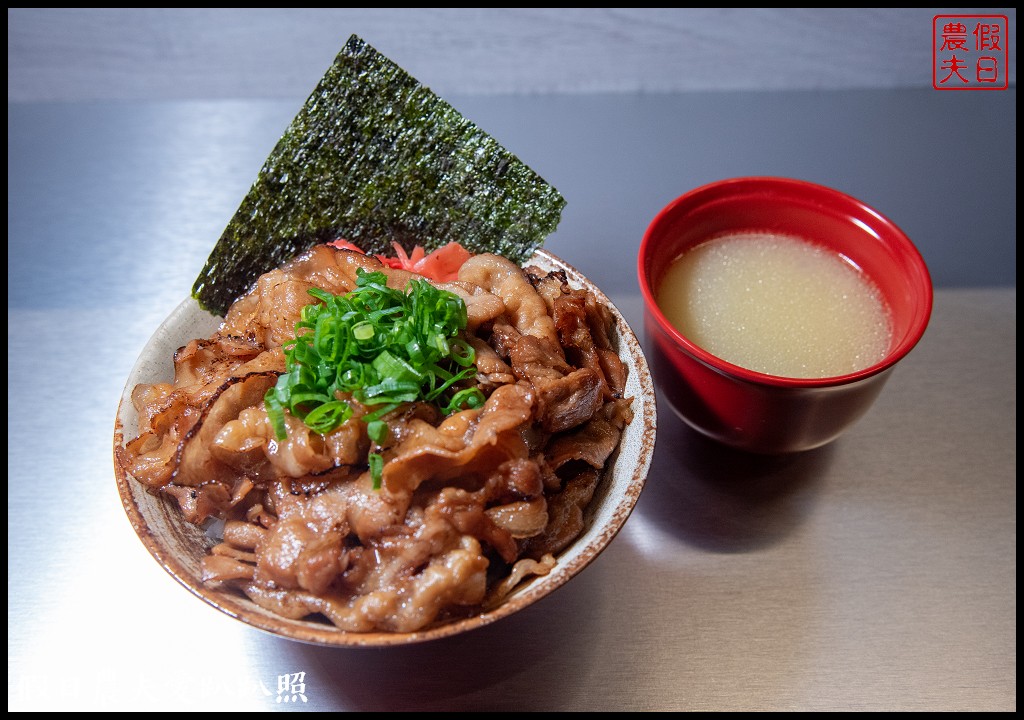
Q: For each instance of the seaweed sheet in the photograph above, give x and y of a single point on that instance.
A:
(374, 156)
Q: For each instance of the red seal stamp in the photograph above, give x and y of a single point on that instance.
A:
(970, 52)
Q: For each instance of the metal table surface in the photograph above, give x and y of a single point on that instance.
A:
(877, 573)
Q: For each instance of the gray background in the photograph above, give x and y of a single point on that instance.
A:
(837, 97)
(88, 54)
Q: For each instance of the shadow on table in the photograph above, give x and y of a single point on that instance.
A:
(543, 657)
(531, 660)
(726, 500)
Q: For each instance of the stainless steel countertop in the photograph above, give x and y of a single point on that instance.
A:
(877, 573)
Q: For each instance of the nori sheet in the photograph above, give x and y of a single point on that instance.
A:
(374, 156)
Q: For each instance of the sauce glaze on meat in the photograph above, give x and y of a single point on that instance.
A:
(469, 504)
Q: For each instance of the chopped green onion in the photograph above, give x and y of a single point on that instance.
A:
(275, 411)
(376, 462)
(470, 397)
(363, 331)
(379, 346)
(328, 416)
(463, 353)
(378, 431)
(380, 412)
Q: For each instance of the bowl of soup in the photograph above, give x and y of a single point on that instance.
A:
(776, 309)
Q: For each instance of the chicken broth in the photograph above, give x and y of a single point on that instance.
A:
(778, 305)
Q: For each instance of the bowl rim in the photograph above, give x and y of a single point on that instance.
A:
(569, 564)
(836, 198)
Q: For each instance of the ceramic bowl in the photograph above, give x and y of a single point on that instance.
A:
(180, 546)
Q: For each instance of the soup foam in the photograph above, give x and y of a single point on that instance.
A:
(777, 304)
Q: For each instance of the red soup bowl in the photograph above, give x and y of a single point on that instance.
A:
(752, 410)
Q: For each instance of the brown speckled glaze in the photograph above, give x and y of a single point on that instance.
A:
(180, 546)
